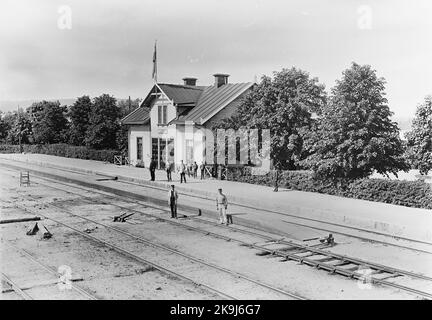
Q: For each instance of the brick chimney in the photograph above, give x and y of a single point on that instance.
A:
(220, 79)
(189, 81)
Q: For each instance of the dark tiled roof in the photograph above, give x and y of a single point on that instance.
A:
(204, 101)
(140, 115)
(214, 99)
(182, 94)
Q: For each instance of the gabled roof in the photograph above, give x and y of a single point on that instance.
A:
(140, 115)
(182, 94)
(213, 100)
(204, 102)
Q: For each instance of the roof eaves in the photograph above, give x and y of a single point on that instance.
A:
(130, 114)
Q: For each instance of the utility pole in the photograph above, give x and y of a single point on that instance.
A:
(130, 104)
(19, 129)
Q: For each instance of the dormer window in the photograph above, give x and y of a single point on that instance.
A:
(162, 115)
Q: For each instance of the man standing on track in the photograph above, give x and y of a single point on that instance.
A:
(222, 206)
(172, 201)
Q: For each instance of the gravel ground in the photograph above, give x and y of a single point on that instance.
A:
(109, 275)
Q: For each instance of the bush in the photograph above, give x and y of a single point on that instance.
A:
(64, 150)
(417, 194)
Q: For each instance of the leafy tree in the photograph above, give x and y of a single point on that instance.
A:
(103, 123)
(5, 126)
(420, 137)
(19, 123)
(79, 114)
(284, 104)
(49, 123)
(355, 134)
(126, 107)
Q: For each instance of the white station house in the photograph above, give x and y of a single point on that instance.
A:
(169, 123)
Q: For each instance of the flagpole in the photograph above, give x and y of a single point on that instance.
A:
(155, 62)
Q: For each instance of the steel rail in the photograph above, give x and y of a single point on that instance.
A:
(114, 247)
(371, 265)
(321, 265)
(288, 256)
(16, 288)
(279, 213)
(50, 270)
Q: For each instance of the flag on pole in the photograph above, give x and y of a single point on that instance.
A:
(154, 74)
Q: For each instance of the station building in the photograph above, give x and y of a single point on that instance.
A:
(169, 123)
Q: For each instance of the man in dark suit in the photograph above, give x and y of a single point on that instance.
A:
(168, 170)
(172, 201)
(152, 169)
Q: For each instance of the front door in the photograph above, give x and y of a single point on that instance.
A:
(161, 151)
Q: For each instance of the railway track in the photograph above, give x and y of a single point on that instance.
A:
(309, 255)
(277, 293)
(325, 225)
(249, 227)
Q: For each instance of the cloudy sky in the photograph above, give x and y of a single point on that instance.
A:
(109, 47)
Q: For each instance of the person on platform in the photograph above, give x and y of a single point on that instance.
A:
(172, 201)
(202, 169)
(168, 171)
(195, 169)
(222, 206)
(152, 169)
(189, 169)
(182, 170)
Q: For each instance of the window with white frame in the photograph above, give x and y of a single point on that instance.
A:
(162, 115)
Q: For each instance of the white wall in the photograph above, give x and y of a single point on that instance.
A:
(134, 133)
(161, 131)
(180, 143)
(198, 145)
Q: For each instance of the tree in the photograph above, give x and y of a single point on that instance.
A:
(103, 123)
(49, 123)
(5, 126)
(126, 107)
(284, 105)
(19, 123)
(420, 137)
(79, 114)
(355, 134)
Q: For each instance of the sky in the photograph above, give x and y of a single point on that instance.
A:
(64, 49)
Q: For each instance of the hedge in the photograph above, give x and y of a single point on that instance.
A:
(417, 194)
(64, 150)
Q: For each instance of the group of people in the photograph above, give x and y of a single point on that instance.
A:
(221, 204)
(190, 169)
